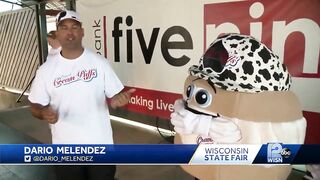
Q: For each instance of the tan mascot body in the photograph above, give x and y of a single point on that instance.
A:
(239, 93)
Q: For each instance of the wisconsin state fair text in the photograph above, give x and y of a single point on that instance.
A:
(226, 154)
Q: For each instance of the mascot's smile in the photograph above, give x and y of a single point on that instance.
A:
(198, 112)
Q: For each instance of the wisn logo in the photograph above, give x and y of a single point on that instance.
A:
(276, 153)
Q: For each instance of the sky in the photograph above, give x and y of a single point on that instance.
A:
(7, 6)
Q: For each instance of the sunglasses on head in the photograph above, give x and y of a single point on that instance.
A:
(61, 15)
(216, 57)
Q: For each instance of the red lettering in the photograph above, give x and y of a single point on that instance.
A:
(293, 33)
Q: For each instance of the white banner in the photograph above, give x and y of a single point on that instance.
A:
(152, 43)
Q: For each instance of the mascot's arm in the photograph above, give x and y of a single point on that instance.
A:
(186, 122)
(221, 130)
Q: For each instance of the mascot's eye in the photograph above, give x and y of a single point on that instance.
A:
(203, 98)
(190, 91)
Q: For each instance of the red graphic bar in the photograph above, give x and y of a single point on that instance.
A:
(152, 102)
(268, 24)
(160, 104)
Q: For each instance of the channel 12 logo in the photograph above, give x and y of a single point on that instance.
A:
(276, 153)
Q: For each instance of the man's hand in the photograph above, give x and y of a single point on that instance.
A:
(122, 98)
(44, 113)
(49, 115)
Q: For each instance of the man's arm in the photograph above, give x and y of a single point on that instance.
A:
(44, 113)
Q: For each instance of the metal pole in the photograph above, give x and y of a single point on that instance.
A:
(42, 32)
(25, 89)
(71, 5)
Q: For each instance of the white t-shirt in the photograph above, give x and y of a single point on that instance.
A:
(76, 89)
(54, 51)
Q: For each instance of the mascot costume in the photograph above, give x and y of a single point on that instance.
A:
(238, 94)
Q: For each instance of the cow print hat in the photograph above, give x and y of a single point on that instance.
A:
(241, 63)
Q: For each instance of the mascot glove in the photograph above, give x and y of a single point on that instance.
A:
(220, 129)
(186, 122)
(224, 130)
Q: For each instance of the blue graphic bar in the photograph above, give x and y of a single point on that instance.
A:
(271, 153)
(84, 154)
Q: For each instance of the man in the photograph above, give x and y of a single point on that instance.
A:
(69, 92)
(54, 43)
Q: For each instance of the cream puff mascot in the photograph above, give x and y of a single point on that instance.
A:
(238, 94)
